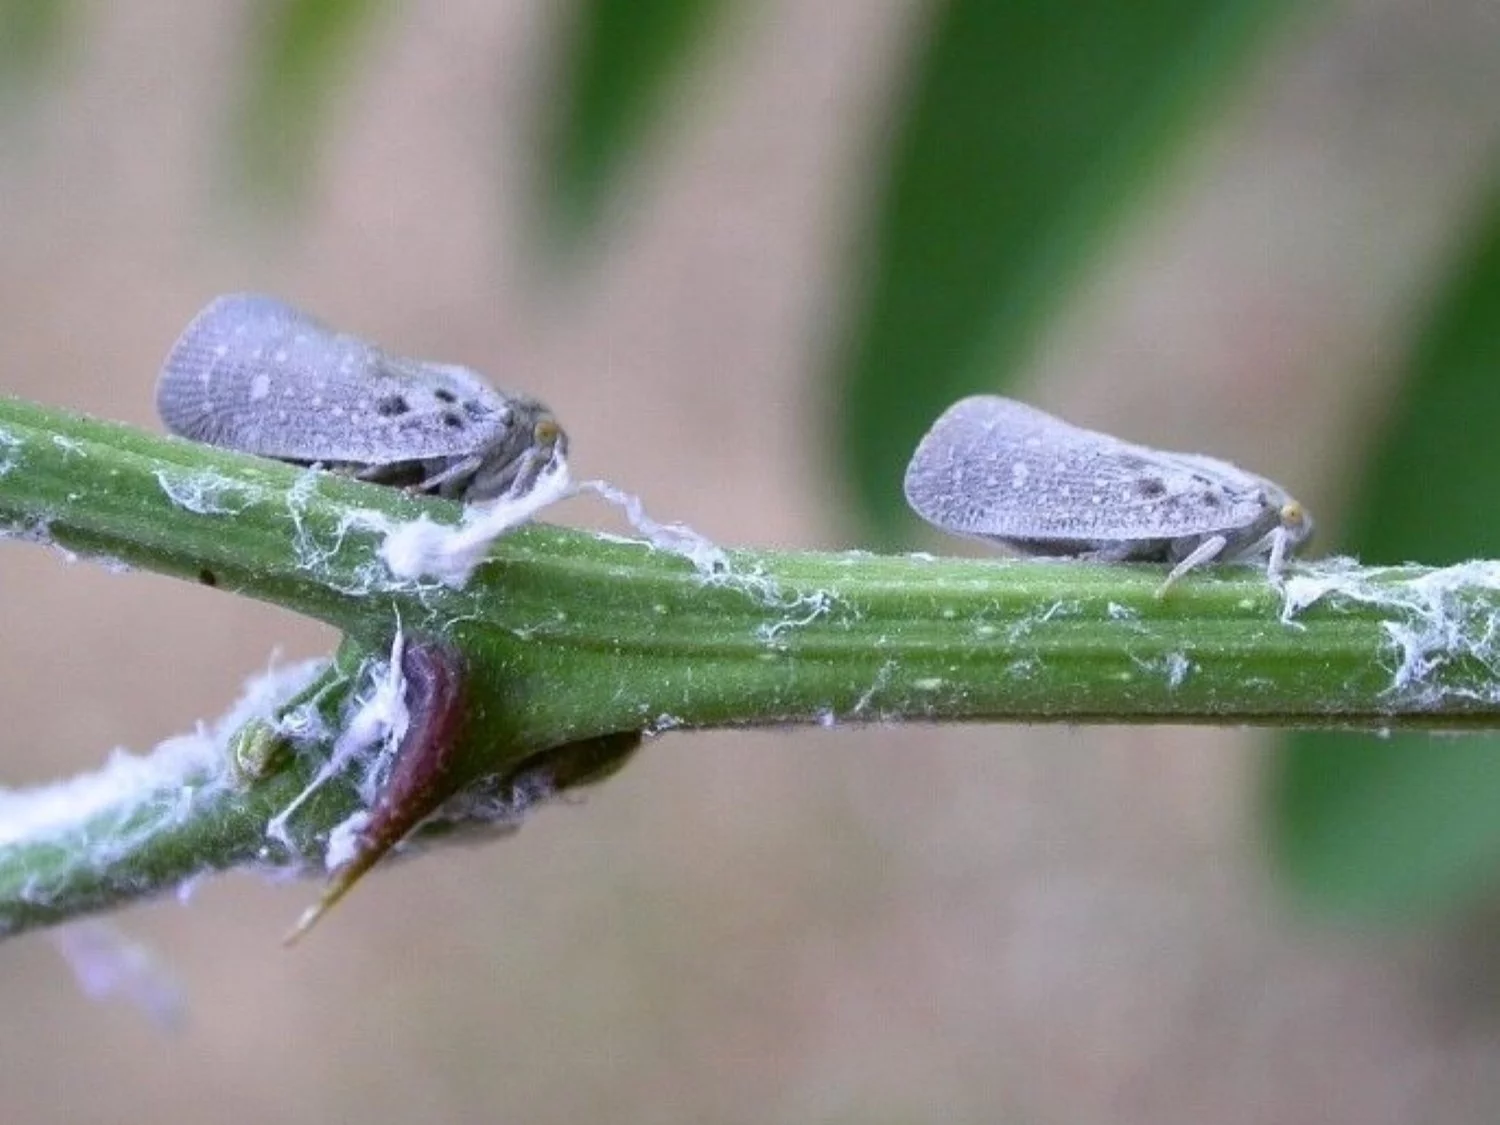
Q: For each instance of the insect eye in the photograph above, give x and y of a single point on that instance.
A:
(1292, 514)
(545, 432)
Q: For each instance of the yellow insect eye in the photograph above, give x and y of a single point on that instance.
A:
(1292, 514)
(545, 432)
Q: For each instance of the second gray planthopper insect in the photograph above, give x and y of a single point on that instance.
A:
(254, 374)
(996, 469)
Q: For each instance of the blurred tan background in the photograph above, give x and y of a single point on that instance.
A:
(995, 923)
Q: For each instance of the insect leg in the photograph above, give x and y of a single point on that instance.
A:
(1274, 565)
(464, 467)
(1274, 544)
(1204, 552)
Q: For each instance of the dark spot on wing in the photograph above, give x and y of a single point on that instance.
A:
(1211, 498)
(1151, 487)
(391, 405)
(443, 394)
(453, 420)
(475, 409)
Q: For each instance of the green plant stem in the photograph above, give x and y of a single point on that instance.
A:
(569, 635)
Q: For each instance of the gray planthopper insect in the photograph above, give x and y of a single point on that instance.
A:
(255, 374)
(1000, 470)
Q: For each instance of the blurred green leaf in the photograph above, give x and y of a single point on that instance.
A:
(615, 63)
(1024, 130)
(1411, 824)
(32, 33)
(300, 56)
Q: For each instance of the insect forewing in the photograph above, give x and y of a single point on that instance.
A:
(1000, 469)
(256, 374)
